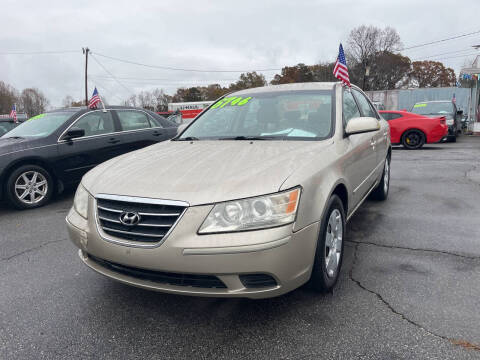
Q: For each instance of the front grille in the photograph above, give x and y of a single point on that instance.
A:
(156, 220)
(257, 280)
(200, 281)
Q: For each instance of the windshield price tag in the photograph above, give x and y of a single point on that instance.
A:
(231, 101)
(419, 105)
(37, 117)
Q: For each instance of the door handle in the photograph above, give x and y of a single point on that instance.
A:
(157, 133)
(113, 141)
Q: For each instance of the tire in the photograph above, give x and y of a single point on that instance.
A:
(22, 193)
(453, 139)
(413, 139)
(324, 273)
(381, 191)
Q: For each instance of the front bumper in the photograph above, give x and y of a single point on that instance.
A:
(280, 253)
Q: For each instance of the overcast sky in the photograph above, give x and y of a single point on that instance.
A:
(206, 35)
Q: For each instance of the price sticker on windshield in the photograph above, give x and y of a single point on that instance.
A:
(231, 101)
(37, 117)
(419, 105)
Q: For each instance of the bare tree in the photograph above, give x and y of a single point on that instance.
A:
(8, 97)
(67, 101)
(33, 102)
(365, 45)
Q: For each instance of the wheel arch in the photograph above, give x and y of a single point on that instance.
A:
(30, 161)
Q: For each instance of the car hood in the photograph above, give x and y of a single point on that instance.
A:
(202, 172)
(9, 145)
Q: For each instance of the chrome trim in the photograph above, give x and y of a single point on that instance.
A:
(368, 177)
(159, 214)
(236, 249)
(140, 200)
(132, 233)
(111, 210)
(59, 141)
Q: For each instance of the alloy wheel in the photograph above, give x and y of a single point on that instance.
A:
(31, 187)
(333, 242)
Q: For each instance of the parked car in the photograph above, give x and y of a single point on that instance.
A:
(254, 204)
(413, 130)
(52, 150)
(378, 105)
(7, 124)
(445, 108)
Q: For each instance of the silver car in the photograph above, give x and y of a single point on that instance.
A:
(250, 200)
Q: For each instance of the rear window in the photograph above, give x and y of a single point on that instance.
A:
(433, 108)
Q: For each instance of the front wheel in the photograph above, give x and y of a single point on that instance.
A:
(381, 191)
(29, 186)
(329, 252)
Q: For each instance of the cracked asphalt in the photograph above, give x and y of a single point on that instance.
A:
(409, 288)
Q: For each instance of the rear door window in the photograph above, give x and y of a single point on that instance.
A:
(96, 123)
(132, 120)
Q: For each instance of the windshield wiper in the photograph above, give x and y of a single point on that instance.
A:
(188, 138)
(242, 137)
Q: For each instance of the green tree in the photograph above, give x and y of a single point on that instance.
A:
(388, 71)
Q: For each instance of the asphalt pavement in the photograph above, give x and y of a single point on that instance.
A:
(409, 288)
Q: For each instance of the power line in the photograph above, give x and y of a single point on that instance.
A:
(450, 57)
(180, 69)
(439, 41)
(108, 72)
(446, 53)
(151, 80)
(39, 52)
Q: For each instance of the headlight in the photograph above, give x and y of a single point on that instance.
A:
(80, 202)
(253, 213)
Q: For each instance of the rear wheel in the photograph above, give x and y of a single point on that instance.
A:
(329, 252)
(381, 191)
(413, 139)
(29, 186)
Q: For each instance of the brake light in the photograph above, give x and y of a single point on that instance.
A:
(443, 120)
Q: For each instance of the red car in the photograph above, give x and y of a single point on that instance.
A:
(413, 130)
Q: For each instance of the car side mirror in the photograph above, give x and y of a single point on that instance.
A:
(74, 133)
(361, 125)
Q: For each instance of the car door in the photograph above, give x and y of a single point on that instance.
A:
(360, 155)
(138, 129)
(100, 143)
(379, 138)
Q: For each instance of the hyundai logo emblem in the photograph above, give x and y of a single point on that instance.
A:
(129, 218)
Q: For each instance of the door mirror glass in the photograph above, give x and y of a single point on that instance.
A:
(74, 133)
(362, 125)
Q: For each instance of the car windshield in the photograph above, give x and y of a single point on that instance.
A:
(6, 126)
(433, 108)
(286, 115)
(41, 125)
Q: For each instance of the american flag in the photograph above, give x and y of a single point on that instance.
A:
(94, 100)
(13, 113)
(340, 71)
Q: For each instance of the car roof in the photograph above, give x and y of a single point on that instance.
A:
(289, 87)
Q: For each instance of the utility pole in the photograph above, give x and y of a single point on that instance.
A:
(85, 51)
